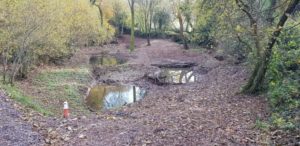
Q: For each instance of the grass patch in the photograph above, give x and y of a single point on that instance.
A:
(46, 91)
(64, 84)
(27, 101)
(264, 126)
(56, 77)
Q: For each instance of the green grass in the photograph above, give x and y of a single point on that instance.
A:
(264, 126)
(63, 84)
(24, 100)
(57, 77)
(46, 91)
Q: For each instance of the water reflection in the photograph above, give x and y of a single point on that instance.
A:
(106, 97)
(178, 76)
(104, 60)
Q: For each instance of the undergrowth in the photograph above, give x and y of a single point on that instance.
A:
(284, 82)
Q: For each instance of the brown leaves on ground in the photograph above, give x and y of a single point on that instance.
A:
(208, 112)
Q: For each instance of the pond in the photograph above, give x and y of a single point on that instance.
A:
(104, 60)
(113, 96)
(173, 76)
(179, 76)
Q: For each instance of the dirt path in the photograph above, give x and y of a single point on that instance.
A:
(208, 112)
(13, 129)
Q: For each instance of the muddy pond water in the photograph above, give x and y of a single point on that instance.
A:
(179, 76)
(113, 96)
(174, 76)
(105, 60)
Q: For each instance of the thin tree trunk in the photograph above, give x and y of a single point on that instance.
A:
(181, 31)
(148, 38)
(134, 94)
(4, 64)
(257, 78)
(101, 14)
(16, 67)
(122, 29)
(253, 24)
(149, 28)
(131, 4)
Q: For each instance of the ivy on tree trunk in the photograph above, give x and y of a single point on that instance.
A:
(257, 78)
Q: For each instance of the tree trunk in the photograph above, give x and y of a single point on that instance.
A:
(148, 38)
(131, 3)
(122, 29)
(257, 78)
(149, 28)
(181, 31)
(134, 94)
(253, 24)
(101, 14)
(4, 64)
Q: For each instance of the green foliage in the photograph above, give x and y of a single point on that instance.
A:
(284, 80)
(161, 19)
(204, 32)
(32, 30)
(262, 125)
(282, 122)
(209, 25)
(119, 18)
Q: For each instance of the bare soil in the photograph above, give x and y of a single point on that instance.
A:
(14, 130)
(208, 112)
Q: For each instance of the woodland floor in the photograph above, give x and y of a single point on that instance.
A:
(208, 112)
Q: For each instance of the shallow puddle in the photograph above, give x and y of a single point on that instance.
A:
(107, 97)
(104, 60)
(179, 76)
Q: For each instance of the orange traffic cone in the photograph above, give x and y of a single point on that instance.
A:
(66, 110)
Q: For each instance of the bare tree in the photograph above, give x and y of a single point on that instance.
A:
(99, 5)
(177, 10)
(131, 5)
(148, 8)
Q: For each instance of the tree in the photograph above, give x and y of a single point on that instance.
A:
(132, 43)
(253, 23)
(147, 9)
(161, 19)
(30, 35)
(257, 78)
(187, 13)
(119, 18)
(99, 5)
(178, 12)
